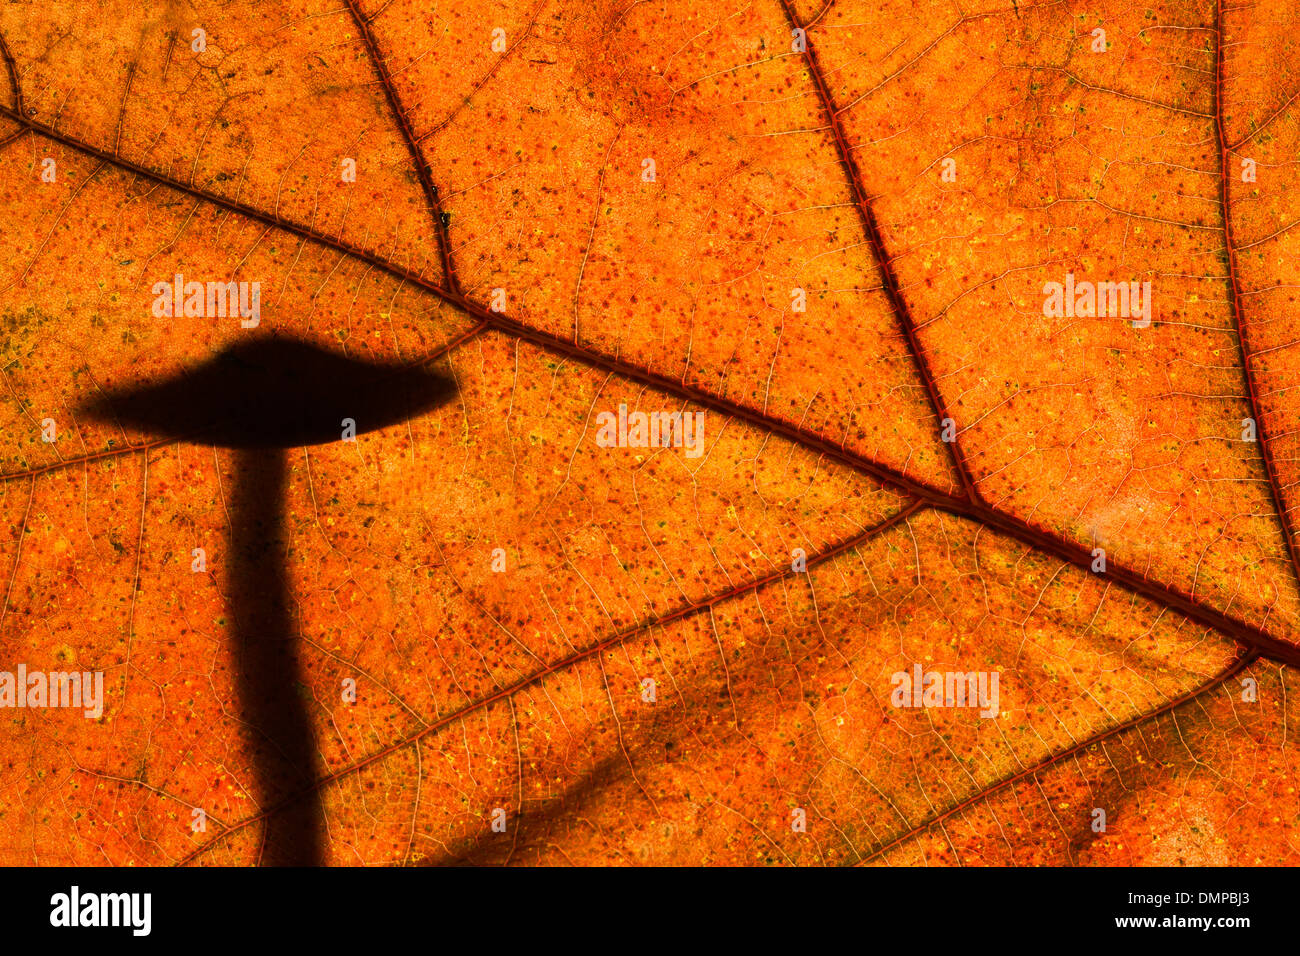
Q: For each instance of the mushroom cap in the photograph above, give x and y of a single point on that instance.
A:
(274, 393)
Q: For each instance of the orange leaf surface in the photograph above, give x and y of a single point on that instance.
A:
(504, 627)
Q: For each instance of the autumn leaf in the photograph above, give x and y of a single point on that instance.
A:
(964, 333)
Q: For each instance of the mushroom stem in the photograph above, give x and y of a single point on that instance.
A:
(268, 673)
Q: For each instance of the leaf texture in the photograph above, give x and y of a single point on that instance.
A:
(825, 231)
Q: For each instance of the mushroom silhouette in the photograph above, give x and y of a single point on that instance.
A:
(261, 398)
